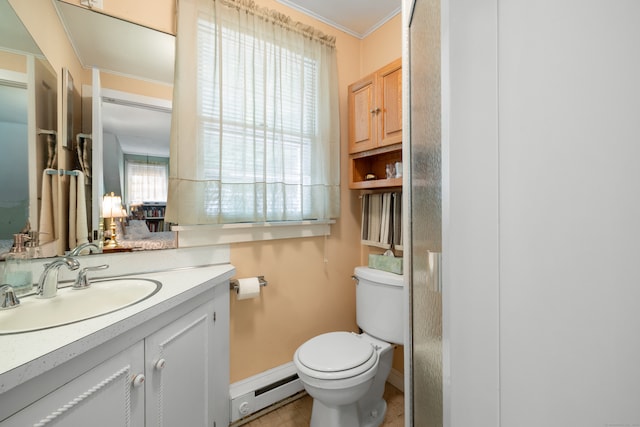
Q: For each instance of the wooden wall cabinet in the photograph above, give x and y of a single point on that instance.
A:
(375, 127)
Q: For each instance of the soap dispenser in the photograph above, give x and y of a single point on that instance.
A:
(33, 244)
(17, 269)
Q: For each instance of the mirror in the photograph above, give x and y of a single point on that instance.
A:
(135, 147)
(120, 48)
(131, 130)
(28, 121)
(14, 198)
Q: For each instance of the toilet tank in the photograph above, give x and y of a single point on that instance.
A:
(379, 304)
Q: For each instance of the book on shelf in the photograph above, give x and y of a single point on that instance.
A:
(381, 223)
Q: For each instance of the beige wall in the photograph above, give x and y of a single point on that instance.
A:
(158, 14)
(382, 46)
(310, 289)
(13, 62)
(138, 87)
(41, 19)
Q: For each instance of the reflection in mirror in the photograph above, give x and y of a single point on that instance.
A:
(130, 130)
(69, 109)
(28, 102)
(117, 46)
(100, 41)
(77, 174)
(136, 166)
(44, 155)
(14, 198)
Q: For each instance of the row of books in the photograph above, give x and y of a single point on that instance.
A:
(148, 211)
(153, 211)
(155, 226)
(382, 220)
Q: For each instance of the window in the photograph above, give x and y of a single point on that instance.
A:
(259, 126)
(266, 121)
(146, 181)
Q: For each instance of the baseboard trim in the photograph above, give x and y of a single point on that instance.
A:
(245, 404)
(396, 379)
(265, 389)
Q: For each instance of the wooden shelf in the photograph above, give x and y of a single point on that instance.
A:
(376, 183)
(375, 142)
(375, 127)
(374, 162)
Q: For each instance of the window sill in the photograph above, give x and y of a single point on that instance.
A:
(203, 235)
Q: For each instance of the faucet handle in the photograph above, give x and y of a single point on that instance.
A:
(8, 298)
(82, 281)
(88, 245)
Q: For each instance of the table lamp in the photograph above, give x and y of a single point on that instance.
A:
(112, 208)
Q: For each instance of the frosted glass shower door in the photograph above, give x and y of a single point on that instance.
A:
(422, 34)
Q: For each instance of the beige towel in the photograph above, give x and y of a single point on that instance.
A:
(48, 207)
(73, 193)
(78, 228)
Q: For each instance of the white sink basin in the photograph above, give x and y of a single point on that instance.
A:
(71, 305)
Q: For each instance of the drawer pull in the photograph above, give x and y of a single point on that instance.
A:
(138, 380)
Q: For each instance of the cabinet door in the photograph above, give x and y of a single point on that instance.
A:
(389, 85)
(102, 397)
(362, 115)
(178, 366)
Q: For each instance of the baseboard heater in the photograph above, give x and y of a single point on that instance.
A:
(265, 389)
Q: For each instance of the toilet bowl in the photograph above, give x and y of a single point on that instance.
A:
(338, 369)
(345, 372)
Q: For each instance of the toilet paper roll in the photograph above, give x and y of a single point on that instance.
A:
(248, 288)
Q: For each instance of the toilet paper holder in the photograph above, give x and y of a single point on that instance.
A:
(234, 284)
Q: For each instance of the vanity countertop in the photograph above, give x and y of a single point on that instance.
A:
(27, 355)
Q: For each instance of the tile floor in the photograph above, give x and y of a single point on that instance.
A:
(298, 412)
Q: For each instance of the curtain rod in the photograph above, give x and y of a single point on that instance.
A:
(281, 19)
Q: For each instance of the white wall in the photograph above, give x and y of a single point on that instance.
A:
(113, 164)
(542, 213)
(470, 213)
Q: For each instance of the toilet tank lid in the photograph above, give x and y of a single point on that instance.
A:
(379, 276)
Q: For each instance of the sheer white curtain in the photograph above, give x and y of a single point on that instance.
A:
(255, 134)
(146, 182)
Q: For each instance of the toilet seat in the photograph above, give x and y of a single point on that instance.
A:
(336, 355)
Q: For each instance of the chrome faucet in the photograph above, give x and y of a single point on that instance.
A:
(82, 281)
(8, 298)
(48, 283)
(76, 251)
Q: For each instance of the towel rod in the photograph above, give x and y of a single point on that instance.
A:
(82, 136)
(234, 284)
(61, 172)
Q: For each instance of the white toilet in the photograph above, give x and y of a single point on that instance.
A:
(344, 372)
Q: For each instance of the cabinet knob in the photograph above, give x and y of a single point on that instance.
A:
(375, 110)
(160, 364)
(138, 380)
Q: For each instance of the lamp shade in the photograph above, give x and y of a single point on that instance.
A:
(112, 206)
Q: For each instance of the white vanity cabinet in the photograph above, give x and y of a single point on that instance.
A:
(167, 379)
(179, 372)
(101, 397)
(170, 370)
